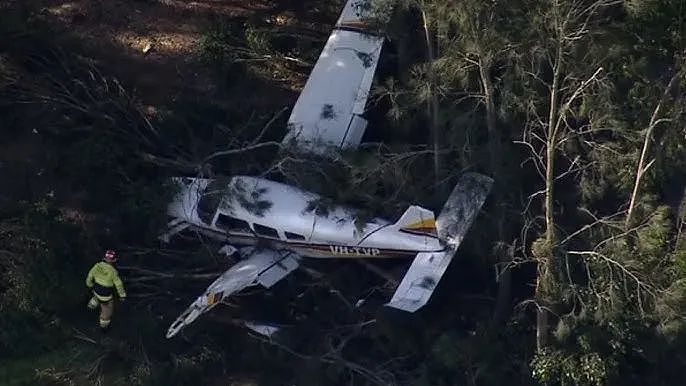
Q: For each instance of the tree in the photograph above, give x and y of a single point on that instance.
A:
(607, 292)
(560, 69)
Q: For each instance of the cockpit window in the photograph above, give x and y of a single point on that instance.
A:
(211, 197)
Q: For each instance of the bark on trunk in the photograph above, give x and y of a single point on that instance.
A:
(544, 266)
(542, 321)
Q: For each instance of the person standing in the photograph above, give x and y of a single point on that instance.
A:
(103, 279)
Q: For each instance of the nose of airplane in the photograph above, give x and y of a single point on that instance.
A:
(184, 203)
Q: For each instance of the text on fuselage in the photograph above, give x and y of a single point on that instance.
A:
(353, 251)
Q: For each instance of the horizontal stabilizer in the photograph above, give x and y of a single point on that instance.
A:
(420, 280)
(462, 206)
(265, 267)
(453, 223)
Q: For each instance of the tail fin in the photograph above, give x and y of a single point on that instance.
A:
(417, 220)
(453, 223)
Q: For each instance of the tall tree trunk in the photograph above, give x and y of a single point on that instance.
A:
(432, 103)
(544, 279)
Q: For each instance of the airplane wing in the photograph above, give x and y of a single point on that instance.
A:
(264, 267)
(329, 110)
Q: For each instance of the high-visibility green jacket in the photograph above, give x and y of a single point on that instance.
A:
(103, 278)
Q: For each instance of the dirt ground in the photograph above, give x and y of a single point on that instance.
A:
(154, 45)
(154, 48)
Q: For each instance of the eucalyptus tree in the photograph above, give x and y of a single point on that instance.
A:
(602, 88)
(560, 68)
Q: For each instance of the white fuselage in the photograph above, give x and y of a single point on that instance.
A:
(249, 210)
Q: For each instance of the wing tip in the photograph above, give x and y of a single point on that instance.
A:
(405, 304)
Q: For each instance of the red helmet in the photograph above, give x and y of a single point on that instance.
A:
(110, 256)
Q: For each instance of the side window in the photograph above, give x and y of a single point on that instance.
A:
(211, 197)
(232, 224)
(266, 231)
(294, 236)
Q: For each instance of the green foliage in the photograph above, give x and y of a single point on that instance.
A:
(654, 239)
(680, 262)
(262, 46)
(577, 369)
(631, 301)
(248, 198)
(215, 44)
(476, 357)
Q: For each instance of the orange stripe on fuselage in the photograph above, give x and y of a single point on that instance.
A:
(423, 227)
(422, 224)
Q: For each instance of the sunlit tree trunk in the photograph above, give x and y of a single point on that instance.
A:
(544, 279)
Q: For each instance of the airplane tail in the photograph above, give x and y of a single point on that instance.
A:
(417, 220)
(452, 225)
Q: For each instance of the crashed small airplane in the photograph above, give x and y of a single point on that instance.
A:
(271, 224)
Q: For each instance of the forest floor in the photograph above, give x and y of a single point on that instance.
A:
(154, 46)
(155, 49)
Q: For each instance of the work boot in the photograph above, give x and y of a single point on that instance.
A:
(92, 303)
(104, 326)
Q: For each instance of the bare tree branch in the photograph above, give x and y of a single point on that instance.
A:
(642, 168)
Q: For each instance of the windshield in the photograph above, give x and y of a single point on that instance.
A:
(211, 198)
